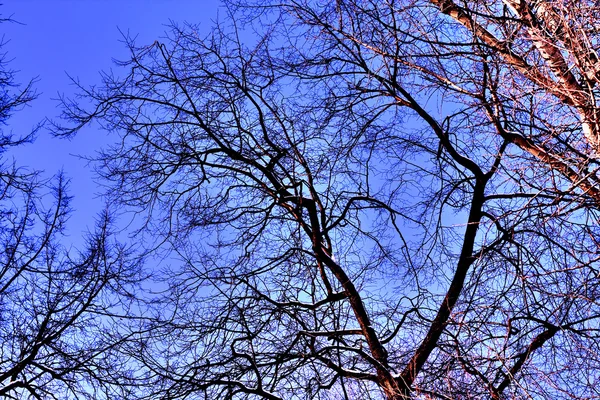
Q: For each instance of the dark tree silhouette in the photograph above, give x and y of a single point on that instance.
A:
(54, 302)
(374, 199)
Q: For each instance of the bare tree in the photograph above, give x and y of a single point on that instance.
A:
(373, 200)
(54, 301)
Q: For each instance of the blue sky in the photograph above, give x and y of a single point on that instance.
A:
(79, 38)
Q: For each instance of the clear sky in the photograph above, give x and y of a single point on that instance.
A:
(79, 37)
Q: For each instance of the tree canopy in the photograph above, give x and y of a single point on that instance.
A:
(355, 199)
(56, 302)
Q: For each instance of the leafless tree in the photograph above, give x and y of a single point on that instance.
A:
(374, 199)
(54, 302)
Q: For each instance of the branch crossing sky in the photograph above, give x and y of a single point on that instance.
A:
(52, 40)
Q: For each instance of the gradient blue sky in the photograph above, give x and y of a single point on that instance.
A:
(80, 38)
